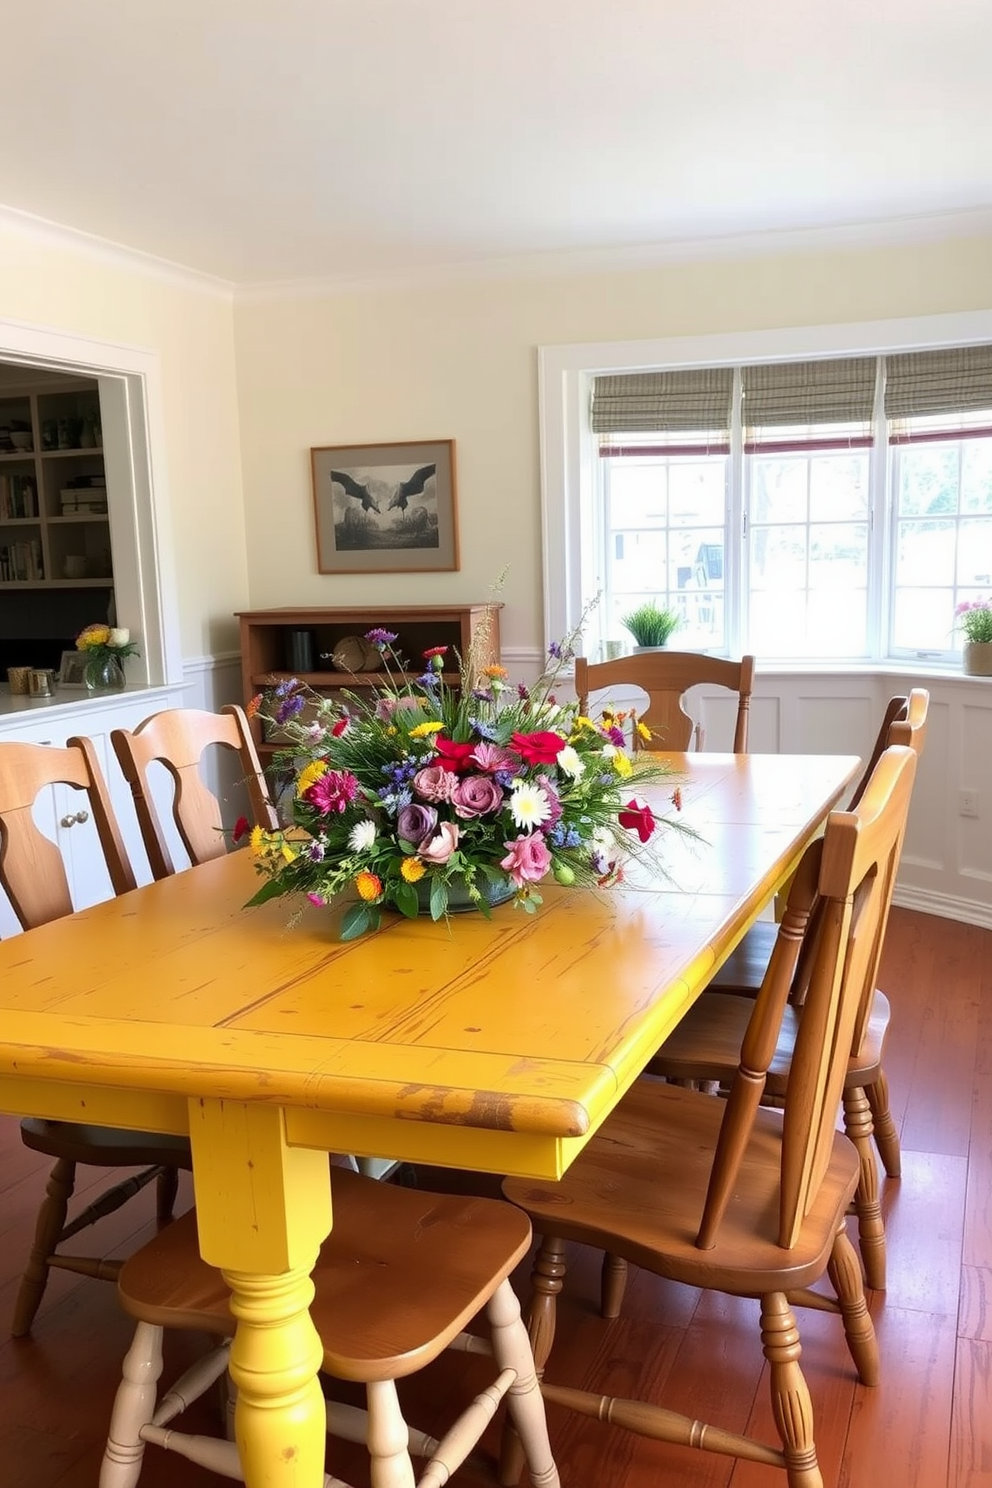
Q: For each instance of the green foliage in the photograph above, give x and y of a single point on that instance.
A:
(651, 624)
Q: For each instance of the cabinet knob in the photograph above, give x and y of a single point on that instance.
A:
(73, 817)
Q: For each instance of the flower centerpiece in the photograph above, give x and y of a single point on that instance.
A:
(105, 646)
(424, 793)
(974, 618)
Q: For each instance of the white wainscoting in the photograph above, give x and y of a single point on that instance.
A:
(947, 858)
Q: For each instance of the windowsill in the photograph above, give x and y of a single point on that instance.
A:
(934, 670)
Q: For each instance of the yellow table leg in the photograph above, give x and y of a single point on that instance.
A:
(263, 1209)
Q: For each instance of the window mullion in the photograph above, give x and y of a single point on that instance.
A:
(735, 567)
(881, 528)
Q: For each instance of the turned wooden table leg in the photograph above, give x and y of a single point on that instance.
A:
(262, 1210)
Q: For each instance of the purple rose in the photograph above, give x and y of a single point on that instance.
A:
(434, 783)
(416, 823)
(476, 795)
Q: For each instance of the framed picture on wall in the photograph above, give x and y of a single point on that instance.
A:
(385, 508)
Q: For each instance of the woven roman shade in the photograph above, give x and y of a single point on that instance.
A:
(920, 384)
(697, 398)
(836, 390)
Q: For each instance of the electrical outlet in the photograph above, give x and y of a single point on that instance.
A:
(968, 803)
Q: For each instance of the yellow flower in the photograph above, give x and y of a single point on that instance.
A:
(421, 730)
(497, 672)
(309, 774)
(643, 732)
(622, 764)
(261, 842)
(288, 852)
(582, 722)
(369, 886)
(93, 635)
(412, 869)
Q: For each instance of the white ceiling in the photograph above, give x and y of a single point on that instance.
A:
(276, 140)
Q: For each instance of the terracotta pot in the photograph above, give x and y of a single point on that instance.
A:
(977, 659)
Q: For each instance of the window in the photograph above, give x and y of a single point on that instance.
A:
(835, 507)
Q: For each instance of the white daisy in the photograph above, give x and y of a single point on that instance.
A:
(361, 836)
(568, 760)
(529, 806)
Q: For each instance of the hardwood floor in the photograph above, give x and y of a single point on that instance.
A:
(929, 1425)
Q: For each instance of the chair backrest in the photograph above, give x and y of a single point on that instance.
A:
(32, 872)
(904, 722)
(666, 676)
(177, 739)
(849, 875)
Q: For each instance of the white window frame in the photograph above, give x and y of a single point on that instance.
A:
(572, 547)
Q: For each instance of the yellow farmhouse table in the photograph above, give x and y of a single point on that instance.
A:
(494, 1045)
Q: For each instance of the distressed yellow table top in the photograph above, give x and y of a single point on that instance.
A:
(509, 1040)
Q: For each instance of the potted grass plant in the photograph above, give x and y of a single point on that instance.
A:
(651, 625)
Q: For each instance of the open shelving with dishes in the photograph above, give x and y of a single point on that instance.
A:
(54, 523)
(274, 643)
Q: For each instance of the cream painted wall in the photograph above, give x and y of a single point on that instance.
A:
(48, 284)
(458, 360)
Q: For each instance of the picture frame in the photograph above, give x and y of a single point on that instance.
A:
(72, 669)
(385, 508)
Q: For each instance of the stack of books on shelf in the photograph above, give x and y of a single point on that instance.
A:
(86, 495)
(21, 561)
(18, 497)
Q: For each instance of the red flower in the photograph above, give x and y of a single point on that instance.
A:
(454, 757)
(339, 728)
(639, 819)
(241, 826)
(435, 651)
(540, 748)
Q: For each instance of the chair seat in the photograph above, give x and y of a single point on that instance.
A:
(747, 963)
(105, 1146)
(706, 1044)
(397, 1279)
(638, 1188)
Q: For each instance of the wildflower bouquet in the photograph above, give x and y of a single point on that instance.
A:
(424, 795)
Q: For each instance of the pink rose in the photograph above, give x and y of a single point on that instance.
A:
(527, 860)
(440, 848)
(434, 783)
(475, 795)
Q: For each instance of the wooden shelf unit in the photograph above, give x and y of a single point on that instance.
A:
(265, 642)
(38, 533)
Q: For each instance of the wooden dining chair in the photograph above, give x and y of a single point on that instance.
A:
(33, 876)
(178, 738)
(397, 1280)
(704, 1045)
(745, 966)
(732, 1195)
(666, 676)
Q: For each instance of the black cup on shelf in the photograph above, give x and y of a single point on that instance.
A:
(299, 650)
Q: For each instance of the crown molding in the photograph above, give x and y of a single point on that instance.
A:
(115, 255)
(890, 232)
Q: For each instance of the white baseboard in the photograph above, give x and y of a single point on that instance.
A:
(945, 906)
